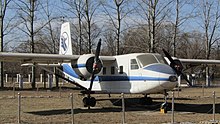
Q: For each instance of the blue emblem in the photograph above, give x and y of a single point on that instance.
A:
(64, 42)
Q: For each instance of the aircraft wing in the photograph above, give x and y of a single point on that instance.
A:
(36, 57)
(199, 61)
(44, 58)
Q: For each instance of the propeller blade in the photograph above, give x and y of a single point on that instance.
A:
(97, 51)
(174, 64)
(96, 59)
(186, 79)
(168, 56)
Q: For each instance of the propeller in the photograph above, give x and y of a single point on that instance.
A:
(177, 66)
(97, 65)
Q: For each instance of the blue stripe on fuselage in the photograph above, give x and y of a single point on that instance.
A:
(130, 78)
(69, 70)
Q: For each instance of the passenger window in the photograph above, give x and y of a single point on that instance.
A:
(120, 69)
(112, 70)
(134, 64)
(104, 70)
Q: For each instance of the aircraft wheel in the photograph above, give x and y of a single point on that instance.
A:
(92, 101)
(89, 101)
(85, 101)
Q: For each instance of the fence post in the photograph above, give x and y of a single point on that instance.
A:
(60, 90)
(72, 110)
(19, 108)
(123, 108)
(213, 106)
(172, 115)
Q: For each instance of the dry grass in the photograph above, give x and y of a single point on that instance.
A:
(46, 106)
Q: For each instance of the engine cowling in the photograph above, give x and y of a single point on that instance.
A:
(85, 64)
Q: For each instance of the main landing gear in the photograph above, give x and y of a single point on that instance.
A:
(89, 101)
(146, 100)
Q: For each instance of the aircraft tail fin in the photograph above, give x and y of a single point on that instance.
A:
(65, 40)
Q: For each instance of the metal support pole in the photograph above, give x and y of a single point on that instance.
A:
(44, 79)
(17, 78)
(72, 110)
(6, 78)
(19, 108)
(179, 84)
(29, 78)
(214, 106)
(123, 108)
(20, 81)
(172, 117)
(50, 81)
(13, 83)
(41, 78)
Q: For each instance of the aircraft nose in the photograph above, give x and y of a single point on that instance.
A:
(171, 81)
(166, 75)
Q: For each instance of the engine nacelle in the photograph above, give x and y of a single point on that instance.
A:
(85, 65)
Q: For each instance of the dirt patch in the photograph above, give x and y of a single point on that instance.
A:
(45, 106)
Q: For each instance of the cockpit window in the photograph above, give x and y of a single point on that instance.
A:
(160, 58)
(134, 64)
(147, 59)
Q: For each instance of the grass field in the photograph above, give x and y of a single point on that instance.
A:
(45, 106)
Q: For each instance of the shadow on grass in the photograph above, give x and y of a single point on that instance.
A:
(131, 106)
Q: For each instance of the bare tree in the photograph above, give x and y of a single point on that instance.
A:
(49, 35)
(180, 19)
(27, 15)
(154, 12)
(83, 13)
(210, 15)
(89, 10)
(209, 20)
(117, 14)
(75, 9)
(3, 7)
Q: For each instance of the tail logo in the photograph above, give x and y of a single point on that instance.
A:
(64, 42)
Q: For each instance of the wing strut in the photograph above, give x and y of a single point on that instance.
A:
(60, 76)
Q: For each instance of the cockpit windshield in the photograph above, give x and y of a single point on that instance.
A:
(147, 59)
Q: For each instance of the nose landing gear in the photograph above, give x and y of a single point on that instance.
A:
(165, 106)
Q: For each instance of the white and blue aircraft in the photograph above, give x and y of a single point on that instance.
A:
(135, 73)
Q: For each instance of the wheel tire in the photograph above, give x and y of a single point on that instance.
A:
(86, 101)
(92, 102)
